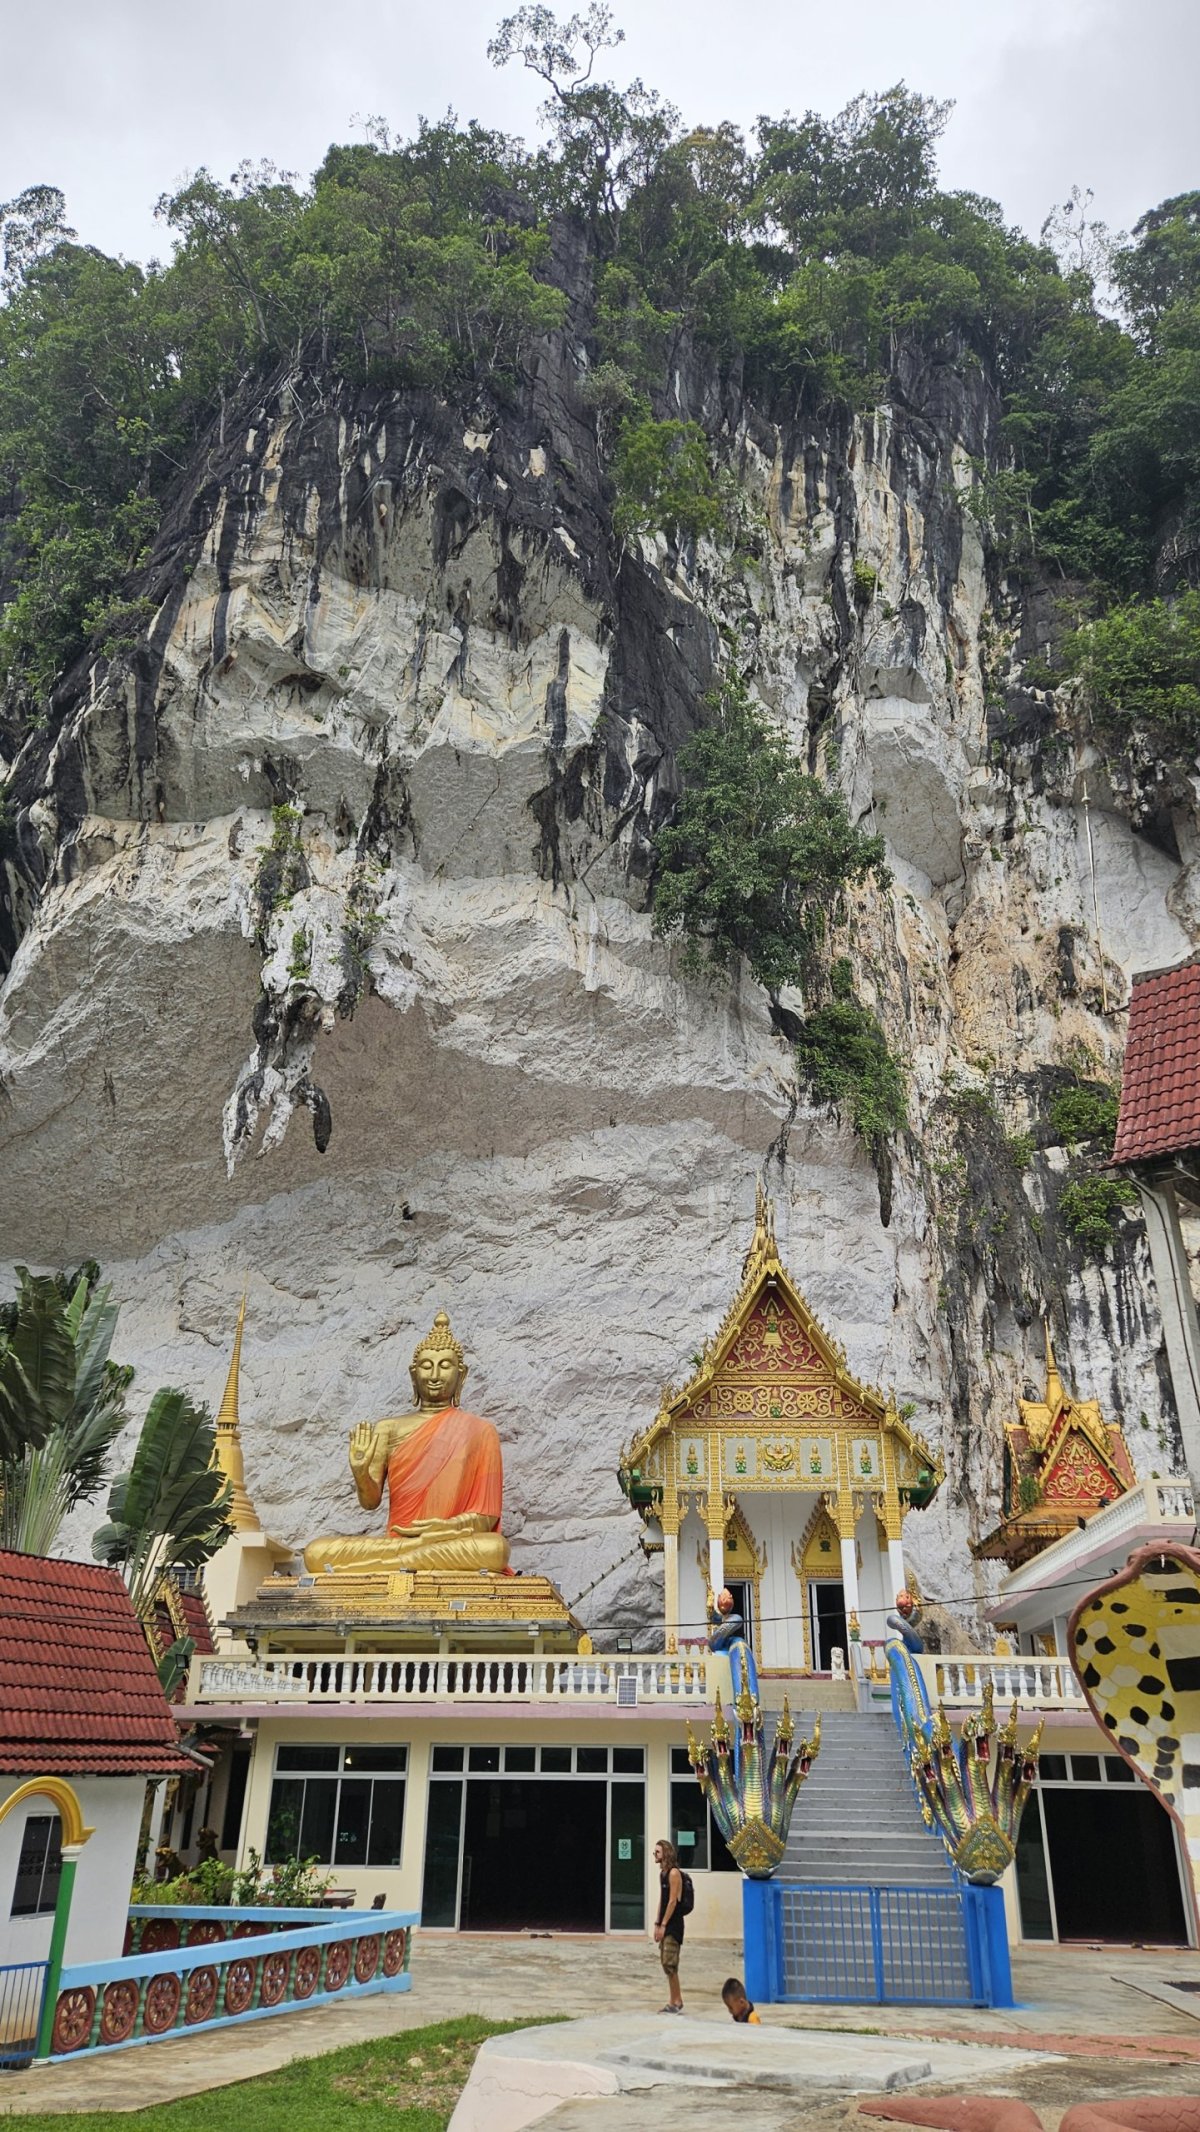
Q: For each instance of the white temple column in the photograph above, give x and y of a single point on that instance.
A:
(671, 1589)
(895, 1555)
(716, 1563)
(850, 1573)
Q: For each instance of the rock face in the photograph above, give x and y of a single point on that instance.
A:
(333, 974)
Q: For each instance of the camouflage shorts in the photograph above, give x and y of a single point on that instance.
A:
(668, 1954)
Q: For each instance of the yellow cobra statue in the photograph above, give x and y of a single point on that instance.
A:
(444, 1476)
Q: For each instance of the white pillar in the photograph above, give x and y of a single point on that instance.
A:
(895, 1557)
(850, 1573)
(1178, 1311)
(716, 1564)
(671, 1589)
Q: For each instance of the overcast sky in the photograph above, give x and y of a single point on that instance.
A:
(115, 100)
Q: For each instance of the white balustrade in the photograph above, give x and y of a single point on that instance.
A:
(1034, 1683)
(338, 1679)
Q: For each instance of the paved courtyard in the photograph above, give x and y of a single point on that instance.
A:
(1071, 2001)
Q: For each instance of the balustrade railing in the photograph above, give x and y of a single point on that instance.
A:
(1035, 1683)
(1151, 1503)
(212, 1976)
(472, 1680)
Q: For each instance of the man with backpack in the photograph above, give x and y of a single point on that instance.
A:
(676, 1898)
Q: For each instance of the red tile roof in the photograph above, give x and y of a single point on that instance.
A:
(1160, 1095)
(79, 1695)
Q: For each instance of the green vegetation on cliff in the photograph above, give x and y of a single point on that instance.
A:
(819, 260)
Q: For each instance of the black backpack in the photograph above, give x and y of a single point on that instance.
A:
(687, 1898)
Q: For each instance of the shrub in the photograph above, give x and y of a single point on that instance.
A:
(1085, 1112)
(844, 1056)
(664, 481)
(1090, 1207)
(759, 855)
(865, 581)
(1140, 666)
(281, 870)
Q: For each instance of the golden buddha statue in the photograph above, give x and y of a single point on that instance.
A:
(444, 1476)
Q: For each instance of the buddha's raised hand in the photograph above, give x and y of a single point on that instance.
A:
(362, 1443)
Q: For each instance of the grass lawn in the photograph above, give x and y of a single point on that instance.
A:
(413, 2080)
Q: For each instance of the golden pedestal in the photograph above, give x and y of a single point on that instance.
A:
(422, 1609)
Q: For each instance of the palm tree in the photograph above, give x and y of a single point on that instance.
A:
(169, 1512)
(62, 1404)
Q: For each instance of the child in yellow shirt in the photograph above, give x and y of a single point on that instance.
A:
(733, 1991)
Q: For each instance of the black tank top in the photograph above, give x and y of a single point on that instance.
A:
(674, 1928)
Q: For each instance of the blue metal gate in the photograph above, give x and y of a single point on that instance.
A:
(863, 1944)
(21, 1986)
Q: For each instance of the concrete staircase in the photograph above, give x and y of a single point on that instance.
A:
(856, 1817)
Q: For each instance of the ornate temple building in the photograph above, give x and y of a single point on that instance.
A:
(776, 1472)
(1062, 1461)
(437, 1732)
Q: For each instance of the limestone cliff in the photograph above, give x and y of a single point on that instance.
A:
(332, 971)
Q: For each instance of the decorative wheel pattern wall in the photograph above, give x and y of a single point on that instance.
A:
(73, 2018)
(203, 1932)
(395, 1947)
(274, 1978)
(239, 1986)
(308, 1973)
(118, 2010)
(201, 1996)
(160, 1936)
(337, 1965)
(366, 1958)
(163, 1994)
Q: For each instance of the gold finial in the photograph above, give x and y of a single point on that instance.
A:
(439, 1340)
(227, 1448)
(1056, 1398)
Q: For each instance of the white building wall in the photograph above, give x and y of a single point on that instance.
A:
(113, 1807)
(693, 1583)
(874, 1598)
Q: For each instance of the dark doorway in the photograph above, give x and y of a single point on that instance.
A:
(534, 1857)
(742, 1594)
(1114, 1866)
(828, 1621)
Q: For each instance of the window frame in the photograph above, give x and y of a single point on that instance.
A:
(344, 1773)
(49, 1870)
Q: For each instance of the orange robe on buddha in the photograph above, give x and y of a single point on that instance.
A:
(450, 1467)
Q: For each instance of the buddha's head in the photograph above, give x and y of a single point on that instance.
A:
(439, 1368)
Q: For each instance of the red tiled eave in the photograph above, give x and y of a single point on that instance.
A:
(1160, 1093)
(79, 1693)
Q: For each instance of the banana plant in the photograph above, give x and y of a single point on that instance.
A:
(169, 1512)
(81, 1394)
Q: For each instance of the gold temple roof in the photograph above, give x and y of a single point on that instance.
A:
(1062, 1461)
(763, 1271)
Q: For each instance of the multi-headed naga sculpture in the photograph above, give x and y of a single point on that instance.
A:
(752, 1792)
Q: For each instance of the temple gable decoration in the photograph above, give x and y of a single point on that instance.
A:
(772, 1411)
(1062, 1461)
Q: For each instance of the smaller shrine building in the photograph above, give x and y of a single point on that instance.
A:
(777, 1473)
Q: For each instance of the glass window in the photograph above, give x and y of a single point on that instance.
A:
(317, 1819)
(447, 1758)
(591, 1761)
(349, 1821)
(283, 1822)
(680, 1766)
(555, 1761)
(439, 1900)
(39, 1867)
(353, 1821)
(689, 1825)
(1033, 1884)
(392, 1761)
(1053, 1769)
(387, 1824)
(1118, 1771)
(1085, 1768)
(303, 1757)
(520, 1759)
(486, 1759)
(628, 1761)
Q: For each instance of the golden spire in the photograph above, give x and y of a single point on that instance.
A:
(1056, 1398)
(227, 1453)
